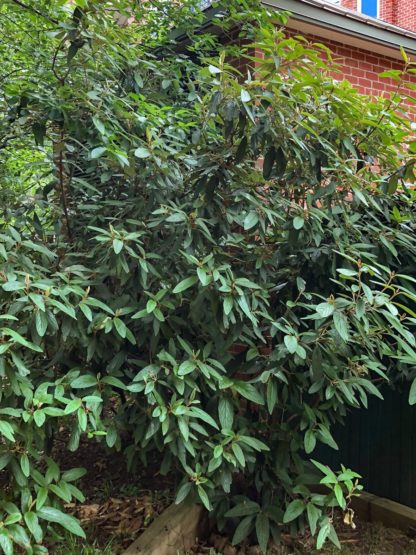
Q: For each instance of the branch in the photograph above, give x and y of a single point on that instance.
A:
(34, 10)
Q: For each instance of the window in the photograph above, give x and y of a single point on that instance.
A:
(368, 7)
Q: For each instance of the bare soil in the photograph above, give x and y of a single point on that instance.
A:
(119, 505)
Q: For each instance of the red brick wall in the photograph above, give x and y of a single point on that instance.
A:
(406, 14)
(397, 12)
(362, 69)
(388, 11)
(351, 4)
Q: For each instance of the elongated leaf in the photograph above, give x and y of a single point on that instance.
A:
(183, 492)
(66, 521)
(225, 413)
(5, 542)
(291, 343)
(412, 393)
(185, 284)
(204, 498)
(20, 339)
(248, 391)
(84, 382)
(6, 430)
(313, 516)
(263, 531)
(243, 530)
(244, 508)
(32, 523)
(294, 509)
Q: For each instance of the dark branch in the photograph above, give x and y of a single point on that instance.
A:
(34, 10)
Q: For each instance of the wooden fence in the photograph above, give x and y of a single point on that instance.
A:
(380, 444)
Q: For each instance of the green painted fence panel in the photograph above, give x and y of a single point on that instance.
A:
(380, 444)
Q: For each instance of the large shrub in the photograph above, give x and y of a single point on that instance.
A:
(219, 268)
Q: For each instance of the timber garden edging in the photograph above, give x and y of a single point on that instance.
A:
(179, 526)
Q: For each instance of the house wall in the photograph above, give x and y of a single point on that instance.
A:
(397, 12)
(362, 69)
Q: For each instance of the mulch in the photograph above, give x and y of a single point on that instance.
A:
(119, 505)
(365, 539)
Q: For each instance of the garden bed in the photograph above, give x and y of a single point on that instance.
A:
(366, 539)
(118, 505)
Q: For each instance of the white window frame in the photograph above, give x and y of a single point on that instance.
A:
(360, 8)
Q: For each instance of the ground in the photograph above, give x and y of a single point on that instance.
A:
(119, 506)
(367, 539)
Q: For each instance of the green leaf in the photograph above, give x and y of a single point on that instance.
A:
(218, 451)
(186, 367)
(73, 406)
(25, 464)
(121, 327)
(325, 470)
(6, 430)
(183, 428)
(294, 510)
(202, 415)
(32, 522)
(204, 498)
(271, 395)
(298, 222)
(325, 309)
(185, 284)
(254, 443)
(183, 492)
(245, 96)
(333, 536)
(314, 515)
(323, 535)
(142, 152)
(41, 497)
(251, 220)
(326, 437)
(309, 441)
(115, 382)
(118, 245)
(21, 340)
(83, 382)
(41, 323)
(6, 543)
(85, 309)
(248, 391)
(238, 453)
(339, 496)
(68, 522)
(98, 124)
(39, 417)
(244, 508)
(97, 152)
(150, 306)
(73, 474)
(13, 518)
(341, 325)
(214, 70)
(268, 162)
(412, 393)
(262, 531)
(226, 413)
(291, 343)
(243, 530)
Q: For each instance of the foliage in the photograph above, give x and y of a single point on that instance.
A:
(163, 292)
